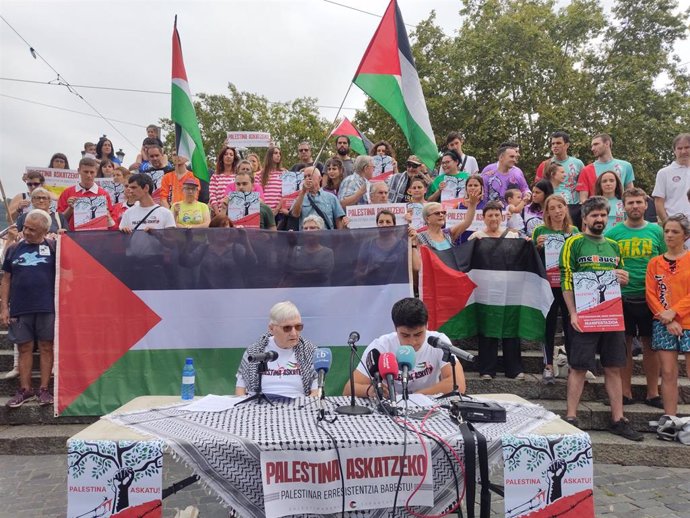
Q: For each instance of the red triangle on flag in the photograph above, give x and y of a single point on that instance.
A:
(90, 345)
(346, 128)
(444, 291)
(382, 55)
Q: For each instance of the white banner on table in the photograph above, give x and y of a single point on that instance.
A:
(248, 139)
(364, 216)
(548, 476)
(455, 216)
(304, 482)
(57, 180)
(91, 213)
(105, 478)
(553, 244)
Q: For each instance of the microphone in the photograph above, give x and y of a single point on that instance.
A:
(372, 363)
(353, 338)
(438, 343)
(269, 356)
(388, 367)
(322, 362)
(405, 356)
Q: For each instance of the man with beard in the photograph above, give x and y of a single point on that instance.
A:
(342, 148)
(604, 161)
(592, 252)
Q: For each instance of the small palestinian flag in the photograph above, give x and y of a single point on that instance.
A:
(388, 75)
(358, 142)
(510, 299)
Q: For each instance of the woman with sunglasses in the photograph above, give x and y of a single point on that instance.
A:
(40, 199)
(292, 373)
(21, 203)
(436, 235)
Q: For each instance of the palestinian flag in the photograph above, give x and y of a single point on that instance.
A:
(132, 308)
(187, 134)
(358, 142)
(491, 287)
(388, 75)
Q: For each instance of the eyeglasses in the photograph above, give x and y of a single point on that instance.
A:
(302, 150)
(33, 184)
(412, 164)
(446, 162)
(439, 213)
(40, 198)
(287, 329)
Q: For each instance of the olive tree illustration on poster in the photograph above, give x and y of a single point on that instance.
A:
(548, 476)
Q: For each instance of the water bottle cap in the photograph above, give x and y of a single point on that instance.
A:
(189, 361)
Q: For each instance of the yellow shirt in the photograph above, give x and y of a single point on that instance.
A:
(190, 213)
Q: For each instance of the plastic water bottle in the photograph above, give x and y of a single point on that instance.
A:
(188, 379)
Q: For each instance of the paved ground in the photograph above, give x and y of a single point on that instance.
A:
(34, 486)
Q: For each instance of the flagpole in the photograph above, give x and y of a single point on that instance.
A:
(335, 122)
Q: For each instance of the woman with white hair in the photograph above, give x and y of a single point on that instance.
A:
(41, 199)
(292, 373)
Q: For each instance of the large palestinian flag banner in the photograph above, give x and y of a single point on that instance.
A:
(491, 287)
(387, 74)
(132, 308)
(358, 142)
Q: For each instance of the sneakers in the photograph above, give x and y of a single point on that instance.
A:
(21, 397)
(14, 373)
(486, 377)
(520, 376)
(45, 398)
(589, 376)
(656, 402)
(626, 431)
(547, 377)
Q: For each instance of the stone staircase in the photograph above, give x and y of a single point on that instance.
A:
(593, 414)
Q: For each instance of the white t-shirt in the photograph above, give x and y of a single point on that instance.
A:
(672, 184)
(159, 218)
(428, 361)
(283, 376)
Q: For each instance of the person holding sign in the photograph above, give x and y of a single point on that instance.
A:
(639, 241)
(668, 296)
(450, 185)
(85, 188)
(400, 183)
(271, 180)
(377, 257)
(438, 237)
(222, 178)
(549, 239)
(313, 200)
(245, 185)
(353, 190)
(21, 203)
(41, 199)
(592, 252)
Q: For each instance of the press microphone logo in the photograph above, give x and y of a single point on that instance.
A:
(387, 362)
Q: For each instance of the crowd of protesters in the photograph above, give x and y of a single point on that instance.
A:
(596, 209)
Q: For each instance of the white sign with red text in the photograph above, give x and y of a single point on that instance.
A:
(310, 482)
(364, 216)
(455, 216)
(248, 139)
(56, 180)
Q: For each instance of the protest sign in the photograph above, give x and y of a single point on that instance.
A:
(244, 209)
(116, 191)
(553, 243)
(248, 139)
(454, 191)
(598, 301)
(417, 222)
(310, 482)
(364, 216)
(292, 183)
(56, 180)
(455, 216)
(90, 213)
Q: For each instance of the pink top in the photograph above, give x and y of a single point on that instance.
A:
(218, 186)
(257, 188)
(273, 190)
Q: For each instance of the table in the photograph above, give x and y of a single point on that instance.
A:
(224, 448)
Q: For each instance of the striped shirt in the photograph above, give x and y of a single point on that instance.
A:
(273, 190)
(218, 186)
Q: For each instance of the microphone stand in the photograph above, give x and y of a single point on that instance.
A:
(450, 358)
(259, 396)
(352, 408)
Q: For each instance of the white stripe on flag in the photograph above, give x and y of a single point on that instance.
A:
(237, 318)
(414, 97)
(501, 288)
(184, 85)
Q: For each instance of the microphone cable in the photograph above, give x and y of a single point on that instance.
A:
(319, 424)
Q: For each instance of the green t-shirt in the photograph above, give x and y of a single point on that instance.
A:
(267, 220)
(462, 175)
(543, 230)
(637, 247)
(583, 253)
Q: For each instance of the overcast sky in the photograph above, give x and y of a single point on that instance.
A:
(269, 47)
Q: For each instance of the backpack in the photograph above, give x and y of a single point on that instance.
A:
(672, 428)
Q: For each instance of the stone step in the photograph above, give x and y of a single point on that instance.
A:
(37, 439)
(470, 344)
(8, 387)
(597, 416)
(532, 388)
(7, 360)
(533, 363)
(32, 413)
(4, 341)
(610, 448)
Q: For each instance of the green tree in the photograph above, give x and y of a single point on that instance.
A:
(288, 123)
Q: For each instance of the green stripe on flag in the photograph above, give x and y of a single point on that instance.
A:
(183, 114)
(497, 322)
(357, 145)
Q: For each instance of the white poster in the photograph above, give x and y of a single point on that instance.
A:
(115, 190)
(57, 180)
(248, 139)
(305, 482)
(454, 190)
(417, 218)
(292, 183)
(90, 213)
(244, 208)
(364, 216)
(455, 216)
(598, 301)
(105, 478)
(553, 244)
(547, 476)
(383, 164)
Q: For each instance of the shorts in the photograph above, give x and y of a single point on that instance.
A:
(662, 340)
(32, 326)
(638, 318)
(584, 347)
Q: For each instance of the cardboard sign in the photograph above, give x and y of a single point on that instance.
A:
(57, 180)
(364, 216)
(108, 478)
(548, 476)
(598, 301)
(310, 482)
(91, 213)
(244, 209)
(248, 139)
(553, 243)
(455, 216)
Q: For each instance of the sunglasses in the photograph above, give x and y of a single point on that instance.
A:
(40, 198)
(287, 329)
(33, 184)
(412, 164)
(302, 150)
(439, 213)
